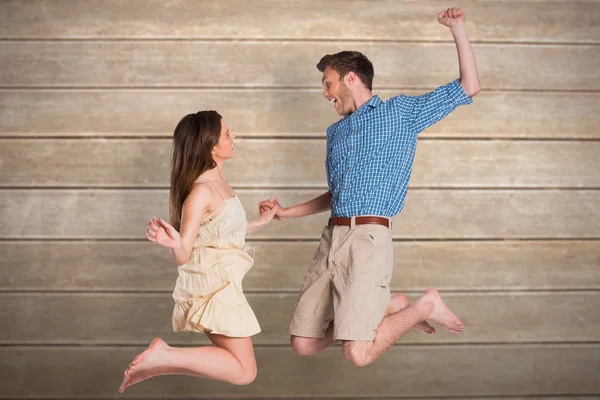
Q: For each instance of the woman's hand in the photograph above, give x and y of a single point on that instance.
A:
(268, 215)
(159, 231)
(265, 217)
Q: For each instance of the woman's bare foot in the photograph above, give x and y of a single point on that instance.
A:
(438, 312)
(400, 302)
(145, 365)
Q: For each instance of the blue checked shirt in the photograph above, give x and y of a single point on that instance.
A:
(370, 152)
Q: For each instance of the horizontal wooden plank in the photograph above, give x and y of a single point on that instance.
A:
(447, 265)
(298, 163)
(137, 318)
(428, 214)
(279, 112)
(287, 64)
(561, 21)
(426, 371)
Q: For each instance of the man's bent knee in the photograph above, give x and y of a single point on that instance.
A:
(356, 354)
(304, 346)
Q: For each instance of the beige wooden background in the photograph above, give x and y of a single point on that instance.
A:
(503, 214)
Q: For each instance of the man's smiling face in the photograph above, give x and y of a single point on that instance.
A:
(337, 92)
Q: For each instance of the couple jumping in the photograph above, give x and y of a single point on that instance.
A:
(345, 295)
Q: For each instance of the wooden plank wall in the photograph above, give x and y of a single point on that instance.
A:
(502, 216)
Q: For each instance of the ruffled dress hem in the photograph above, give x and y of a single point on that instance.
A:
(215, 317)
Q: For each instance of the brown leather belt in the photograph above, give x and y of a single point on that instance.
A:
(336, 221)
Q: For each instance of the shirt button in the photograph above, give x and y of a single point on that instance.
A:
(344, 188)
(351, 147)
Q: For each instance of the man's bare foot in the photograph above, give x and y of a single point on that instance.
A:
(400, 302)
(145, 365)
(440, 313)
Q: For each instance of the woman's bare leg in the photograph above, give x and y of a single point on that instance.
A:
(230, 359)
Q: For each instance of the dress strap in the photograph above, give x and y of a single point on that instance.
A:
(215, 186)
(247, 248)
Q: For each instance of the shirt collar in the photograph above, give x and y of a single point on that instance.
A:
(373, 102)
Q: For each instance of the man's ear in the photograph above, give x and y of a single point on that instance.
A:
(350, 78)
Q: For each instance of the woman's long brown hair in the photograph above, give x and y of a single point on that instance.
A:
(193, 141)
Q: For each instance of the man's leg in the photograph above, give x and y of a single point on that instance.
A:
(313, 316)
(429, 307)
(304, 346)
(400, 302)
(309, 346)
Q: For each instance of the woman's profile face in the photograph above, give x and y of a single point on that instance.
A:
(224, 148)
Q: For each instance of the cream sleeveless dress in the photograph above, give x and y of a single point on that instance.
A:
(208, 294)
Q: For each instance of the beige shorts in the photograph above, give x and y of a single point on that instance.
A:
(348, 283)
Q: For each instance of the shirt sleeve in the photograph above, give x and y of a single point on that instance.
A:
(423, 111)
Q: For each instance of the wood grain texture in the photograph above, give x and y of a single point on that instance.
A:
(280, 112)
(281, 266)
(561, 21)
(298, 163)
(507, 229)
(435, 371)
(287, 64)
(137, 318)
(427, 214)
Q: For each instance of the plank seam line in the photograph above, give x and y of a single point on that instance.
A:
(254, 137)
(592, 396)
(189, 88)
(125, 188)
(8, 292)
(548, 344)
(313, 240)
(288, 39)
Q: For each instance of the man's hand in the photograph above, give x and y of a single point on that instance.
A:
(454, 18)
(266, 205)
(451, 17)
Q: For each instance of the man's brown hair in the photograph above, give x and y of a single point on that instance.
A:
(349, 61)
